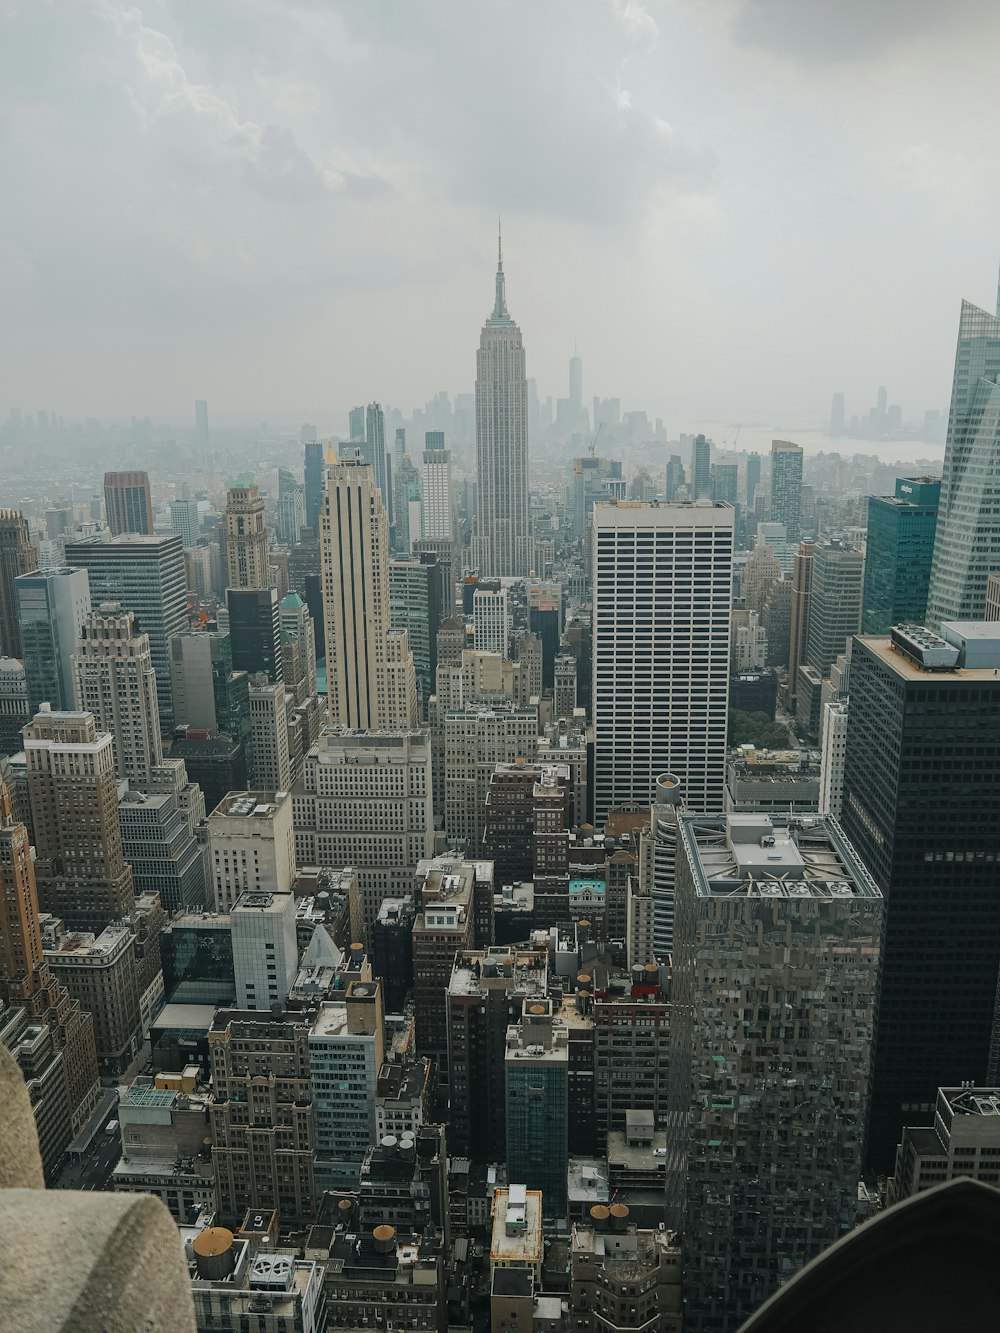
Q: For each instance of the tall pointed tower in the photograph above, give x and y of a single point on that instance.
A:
(502, 545)
(967, 539)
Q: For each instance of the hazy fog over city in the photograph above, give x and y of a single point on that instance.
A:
(732, 208)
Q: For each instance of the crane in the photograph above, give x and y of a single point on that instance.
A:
(592, 446)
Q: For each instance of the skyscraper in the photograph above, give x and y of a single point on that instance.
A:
(184, 520)
(967, 540)
(145, 575)
(701, 469)
(356, 425)
(435, 511)
(114, 679)
(128, 503)
(17, 556)
(661, 626)
(898, 553)
(81, 871)
(246, 539)
(776, 964)
(786, 487)
(502, 545)
(313, 482)
(921, 803)
(575, 386)
(835, 610)
(753, 478)
(725, 483)
(369, 666)
(837, 414)
(201, 435)
(255, 630)
(51, 607)
(801, 605)
(375, 453)
(537, 1078)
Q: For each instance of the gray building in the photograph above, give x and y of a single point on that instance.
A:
(146, 576)
(776, 961)
(537, 1078)
(786, 487)
(52, 605)
(835, 610)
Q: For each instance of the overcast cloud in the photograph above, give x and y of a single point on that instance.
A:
(734, 206)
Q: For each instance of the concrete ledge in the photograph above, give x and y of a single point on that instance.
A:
(20, 1160)
(85, 1263)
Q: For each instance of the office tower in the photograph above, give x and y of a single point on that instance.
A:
(60, 1065)
(835, 609)
(356, 425)
(146, 576)
(967, 539)
(255, 631)
(964, 1140)
(575, 386)
(445, 925)
(536, 1068)
(17, 556)
(374, 452)
(247, 564)
(313, 482)
(675, 478)
(346, 1050)
(201, 435)
(392, 950)
(800, 612)
(116, 682)
(502, 545)
(217, 763)
(592, 479)
(51, 607)
(415, 606)
(436, 507)
(82, 875)
(262, 1116)
(159, 841)
(208, 694)
(491, 617)
(290, 513)
(265, 950)
(898, 551)
(99, 970)
(128, 503)
(837, 414)
(376, 781)
(701, 469)
(13, 704)
(657, 863)
(184, 521)
(926, 827)
(753, 478)
(270, 764)
(662, 601)
(476, 737)
(487, 991)
(624, 1277)
(251, 846)
(786, 487)
(768, 1095)
(564, 686)
(833, 748)
(725, 483)
(369, 667)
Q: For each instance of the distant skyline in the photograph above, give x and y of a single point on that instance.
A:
(733, 209)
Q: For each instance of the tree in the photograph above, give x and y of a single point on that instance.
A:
(757, 729)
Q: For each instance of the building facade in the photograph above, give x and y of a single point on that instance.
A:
(899, 547)
(128, 504)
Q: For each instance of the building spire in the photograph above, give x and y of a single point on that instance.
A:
(500, 304)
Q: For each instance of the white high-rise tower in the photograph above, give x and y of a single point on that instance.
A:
(662, 601)
(369, 666)
(502, 545)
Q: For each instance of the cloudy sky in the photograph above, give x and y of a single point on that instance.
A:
(286, 206)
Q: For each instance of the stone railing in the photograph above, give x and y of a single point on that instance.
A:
(76, 1262)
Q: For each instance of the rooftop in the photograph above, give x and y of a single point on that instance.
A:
(910, 671)
(517, 1226)
(244, 804)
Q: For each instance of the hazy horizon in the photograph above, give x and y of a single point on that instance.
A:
(732, 208)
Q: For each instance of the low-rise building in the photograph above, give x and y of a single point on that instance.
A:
(624, 1278)
(236, 1286)
(516, 1240)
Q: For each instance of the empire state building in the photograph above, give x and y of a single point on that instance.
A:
(502, 545)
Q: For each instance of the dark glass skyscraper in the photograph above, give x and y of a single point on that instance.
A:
(967, 540)
(313, 482)
(922, 807)
(255, 630)
(786, 487)
(701, 469)
(898, 555)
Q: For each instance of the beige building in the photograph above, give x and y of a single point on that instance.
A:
(269, 727)
(100, 972)
(115, 681)
(369, 666)
(251, 846)
(516, 1237)
(247, 564)
(445, 924)
(82, 875)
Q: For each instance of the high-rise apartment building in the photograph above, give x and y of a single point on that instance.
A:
(436, 520)
(786, 487)
(898, 549)
(247, 564)
(967, 538)
(115, 681)
(251, 846)
(776, 964)
(369, 666)
(536, 1067)
(146, 576)
(82, 875)
(17, 556)
(922, 805)
(701, 468)
(51, 607)
(502, 545)
(661, 625)
(128, 503)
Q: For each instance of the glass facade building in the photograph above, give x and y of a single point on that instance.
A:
(899, 548)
